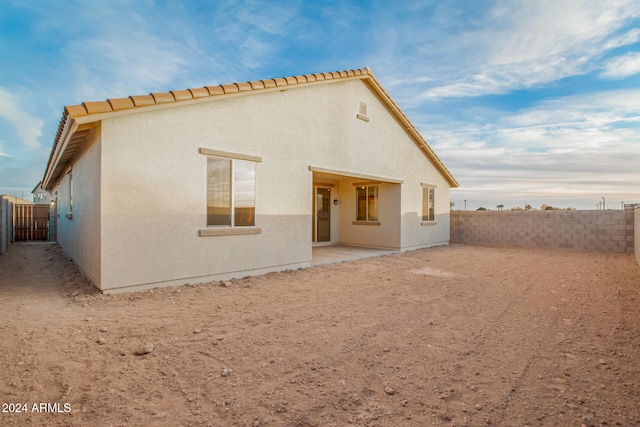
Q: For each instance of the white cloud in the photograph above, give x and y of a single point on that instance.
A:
(124, 58)
(272, 19)
(27, 127)
(630, 37)
(578, 145)
(524, 45)
(252, 55)
(622, 66)
(2, 153)
(135, 49)
(137, 60)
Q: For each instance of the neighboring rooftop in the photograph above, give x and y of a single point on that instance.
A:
(15, 200)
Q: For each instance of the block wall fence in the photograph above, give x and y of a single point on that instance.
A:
(594, 230)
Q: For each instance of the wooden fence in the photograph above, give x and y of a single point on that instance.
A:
(6, 224)
(31, 222)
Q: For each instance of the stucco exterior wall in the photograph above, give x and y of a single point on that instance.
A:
(415, 233)
(153, 183)
(387, 233)
(608, 231)
(78, 229)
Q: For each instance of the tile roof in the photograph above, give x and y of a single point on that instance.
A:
(138, 101)
(89, 112)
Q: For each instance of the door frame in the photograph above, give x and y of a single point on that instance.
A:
(314, 236)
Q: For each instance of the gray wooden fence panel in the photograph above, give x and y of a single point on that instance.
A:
(6, 229)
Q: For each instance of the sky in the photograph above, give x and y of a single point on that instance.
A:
(526, 102)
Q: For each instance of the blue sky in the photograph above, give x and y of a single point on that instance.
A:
(525, 101)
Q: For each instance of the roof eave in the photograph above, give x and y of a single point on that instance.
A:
(66, 129)
(395, 109)
(36, 187)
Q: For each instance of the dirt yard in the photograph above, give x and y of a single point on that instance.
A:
(457, 335)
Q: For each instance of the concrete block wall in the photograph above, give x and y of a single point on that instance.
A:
(607, 231)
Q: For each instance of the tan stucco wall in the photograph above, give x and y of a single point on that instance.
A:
(154, 185)
(387, 234)
(415, 235)
(80, 236)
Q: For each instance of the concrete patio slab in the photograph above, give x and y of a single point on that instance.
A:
(334, 254)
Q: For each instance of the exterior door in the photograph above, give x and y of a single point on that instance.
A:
(322, 208)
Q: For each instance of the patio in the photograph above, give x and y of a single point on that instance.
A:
(333, 254)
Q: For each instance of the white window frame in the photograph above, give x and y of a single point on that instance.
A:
(70, 212)
(428, 216)
(226, 230)
(368, 220)
(233, 166)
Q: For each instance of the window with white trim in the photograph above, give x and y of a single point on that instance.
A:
(367, 203)
(428, 204)
(70, 211)
(230, 192)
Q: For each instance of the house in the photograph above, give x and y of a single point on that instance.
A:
(241, 179)
(40, 195)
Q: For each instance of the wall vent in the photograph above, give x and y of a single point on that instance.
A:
(362, 112)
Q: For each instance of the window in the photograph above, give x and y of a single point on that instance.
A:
(367, 203)
(230, 192)
(428, 204)
(70, 212)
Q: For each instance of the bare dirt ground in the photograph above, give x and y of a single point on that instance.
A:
(455, 335)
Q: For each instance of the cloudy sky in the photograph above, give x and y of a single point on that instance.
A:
(525, 101)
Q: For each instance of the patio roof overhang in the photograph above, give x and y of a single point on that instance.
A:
(347, 174)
